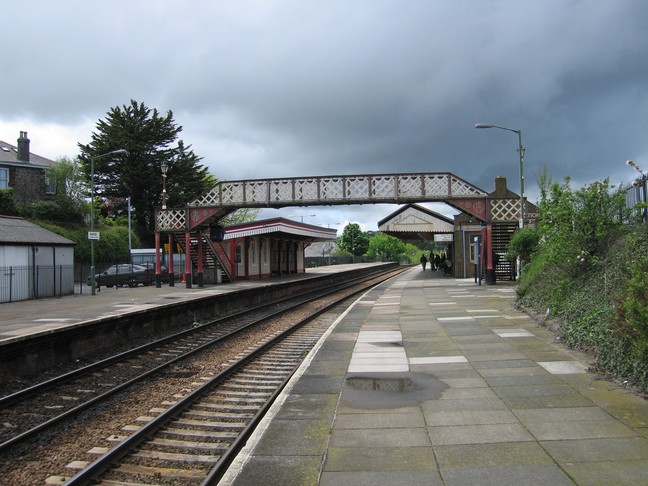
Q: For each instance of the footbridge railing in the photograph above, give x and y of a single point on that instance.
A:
(227, 196)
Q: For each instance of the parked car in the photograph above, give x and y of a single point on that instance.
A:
(124, 274)
(164, 271)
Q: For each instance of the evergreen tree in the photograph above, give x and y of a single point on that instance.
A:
(151, 140)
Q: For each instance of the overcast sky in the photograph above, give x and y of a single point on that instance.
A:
(299, 88)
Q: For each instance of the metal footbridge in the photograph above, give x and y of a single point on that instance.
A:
(228, 196)
(198, 216)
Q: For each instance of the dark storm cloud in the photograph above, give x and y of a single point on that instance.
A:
(288, 88)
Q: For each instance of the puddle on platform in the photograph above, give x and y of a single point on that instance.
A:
(390, 390)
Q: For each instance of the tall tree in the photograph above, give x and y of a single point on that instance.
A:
(151, 140)
(385, 247)
(70, 190)
(353, 240)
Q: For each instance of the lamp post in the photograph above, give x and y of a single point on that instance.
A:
(130, 245)
(158, 277)
(521, 154)
(492, 278)
(92, 236)
(164, 168)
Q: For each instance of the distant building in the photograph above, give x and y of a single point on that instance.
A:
(320, 249)
(261, 249)
(34, 262)
(24, 172)
(254, 250)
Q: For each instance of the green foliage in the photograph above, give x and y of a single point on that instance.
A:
(62, 211)
(112, 246)
(8, 203)
(353, 240)
(523, 244)
(68, 178)
(385, 247)
(243, 215)
(43, 210)
(579, 225)
(591, 272)
(69, 205)
(150, 139)
(632, 300)
(413, 253)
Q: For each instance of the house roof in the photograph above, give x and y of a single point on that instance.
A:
(320, 249)
(17, 231)
(9, 156)
(280, 226)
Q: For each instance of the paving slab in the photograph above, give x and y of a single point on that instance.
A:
(381, 478)
(372, 459)
(380, 437)
(504, 454)
(605, 473)
(288, 470)
(379, 420)
(597, 450)
(479, 434)
(527, 475)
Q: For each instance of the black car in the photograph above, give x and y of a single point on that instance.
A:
(164, 271)
(124, 274)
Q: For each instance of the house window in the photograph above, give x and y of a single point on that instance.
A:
(253, 251)
(4, 178)
(50, 185)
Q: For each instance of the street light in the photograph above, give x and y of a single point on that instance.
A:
(92, 237)
(164, 168)
(158, 281)
(521, 153)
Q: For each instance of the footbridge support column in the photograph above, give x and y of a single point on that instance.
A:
(490, 268)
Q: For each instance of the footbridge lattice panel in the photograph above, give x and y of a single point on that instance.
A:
(319, 191)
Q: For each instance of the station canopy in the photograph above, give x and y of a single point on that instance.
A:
(280, 228)
(414, 222)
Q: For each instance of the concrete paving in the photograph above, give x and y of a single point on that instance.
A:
(429, 380)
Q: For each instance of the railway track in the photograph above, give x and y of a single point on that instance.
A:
(53, 402)
(194, 440)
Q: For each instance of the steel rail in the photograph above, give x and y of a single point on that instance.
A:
(92, 473)
(44, 386)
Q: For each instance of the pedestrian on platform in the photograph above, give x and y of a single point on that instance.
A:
(423, 262)
(447, 270)
(437, 262)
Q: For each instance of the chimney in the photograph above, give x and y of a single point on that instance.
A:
(23, 147)
(500, 186)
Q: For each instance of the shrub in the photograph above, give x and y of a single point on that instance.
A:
(7, 202)
(591, 272)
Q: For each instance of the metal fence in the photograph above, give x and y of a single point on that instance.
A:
(636, 194)
(312, 262)
(35, 282)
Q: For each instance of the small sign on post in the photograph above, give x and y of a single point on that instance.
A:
(93, 235)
